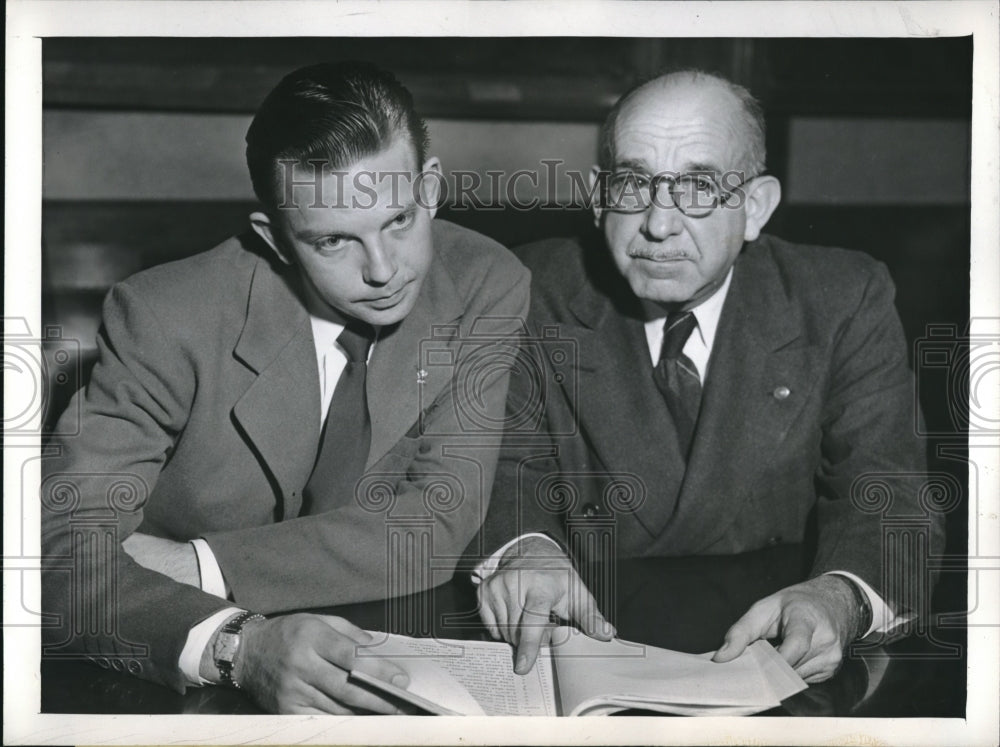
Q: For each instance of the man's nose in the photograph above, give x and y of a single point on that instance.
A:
(663, 219)
(380, 264)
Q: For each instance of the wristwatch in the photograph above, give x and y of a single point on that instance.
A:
(227, 646)
(864, 609)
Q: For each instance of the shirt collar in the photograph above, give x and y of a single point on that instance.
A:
(326, 326)
(710, 310)
(707, 314)
(325, 332)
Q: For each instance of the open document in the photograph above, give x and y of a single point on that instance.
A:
(579, 676)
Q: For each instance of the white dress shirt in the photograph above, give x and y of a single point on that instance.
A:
(698, 349)
(330, 363)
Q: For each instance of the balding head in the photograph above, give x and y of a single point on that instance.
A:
(701, 138)
(730, 101)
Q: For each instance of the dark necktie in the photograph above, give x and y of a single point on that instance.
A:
(346, 435)
(677, 377)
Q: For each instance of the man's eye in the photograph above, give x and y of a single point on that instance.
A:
(331, 243)
(628, 184)
(402, 220)
(634, 180)
(701, 183)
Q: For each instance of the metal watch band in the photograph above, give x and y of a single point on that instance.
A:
(234, 628)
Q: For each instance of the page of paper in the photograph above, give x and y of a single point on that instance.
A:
(634, 675)
(777, 673)
(468, 677)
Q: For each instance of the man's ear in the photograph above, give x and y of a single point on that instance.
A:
(593, 181)
(762, 196)
(430, 180)
(263, 227)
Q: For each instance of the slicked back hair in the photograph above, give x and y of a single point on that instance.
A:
(751, 116)
(337, 113)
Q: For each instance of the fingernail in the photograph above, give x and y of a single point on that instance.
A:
(400, 680)
(522, 662)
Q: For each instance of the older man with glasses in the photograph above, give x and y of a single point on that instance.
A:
(730, 389)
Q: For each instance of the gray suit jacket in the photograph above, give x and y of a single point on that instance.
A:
(806, 429)
(201, 419)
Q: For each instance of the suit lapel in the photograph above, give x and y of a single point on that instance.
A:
(279, 413)
(395, 398)
(743, 417)
(620, 408)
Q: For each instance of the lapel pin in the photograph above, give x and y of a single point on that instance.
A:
(781, 392)
(421, 376)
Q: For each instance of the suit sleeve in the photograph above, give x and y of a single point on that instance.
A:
(528, 454)
(107, 607)
(872, 516)
(420, 513)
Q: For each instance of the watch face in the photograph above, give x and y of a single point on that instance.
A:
(225, 646)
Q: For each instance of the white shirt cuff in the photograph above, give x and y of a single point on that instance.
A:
(489, 566)
(212, 581)
(197, 641)
(883, 620)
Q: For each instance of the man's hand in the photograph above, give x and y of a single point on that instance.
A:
(175, 559)
(533, 582)
(300, 664)
(815, 621)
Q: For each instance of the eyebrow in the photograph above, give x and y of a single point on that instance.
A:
(703, 167)
(313, 235)
(642, 166)
(631, 165)
(308, 236)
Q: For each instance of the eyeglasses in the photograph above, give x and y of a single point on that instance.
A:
(695, 194)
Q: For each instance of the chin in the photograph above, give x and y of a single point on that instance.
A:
(659, 291)
(384, 317)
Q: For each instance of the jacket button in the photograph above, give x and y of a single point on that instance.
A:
(425, 447)
(772, 541)
(134, 666)
(781, 392)
(102, 662)
(117, 665)
(591, 510)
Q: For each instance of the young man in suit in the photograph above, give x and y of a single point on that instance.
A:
(262, 417)
(729, 385)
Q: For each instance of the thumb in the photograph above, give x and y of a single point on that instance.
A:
(583, 611)
(348, 629)
(744, 631)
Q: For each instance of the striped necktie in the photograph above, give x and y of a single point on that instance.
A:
(677, 377)
(346, 437)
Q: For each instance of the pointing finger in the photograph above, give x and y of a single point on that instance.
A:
(534, 624)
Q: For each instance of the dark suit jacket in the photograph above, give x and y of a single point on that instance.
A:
(201, 418)
(808, 413)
